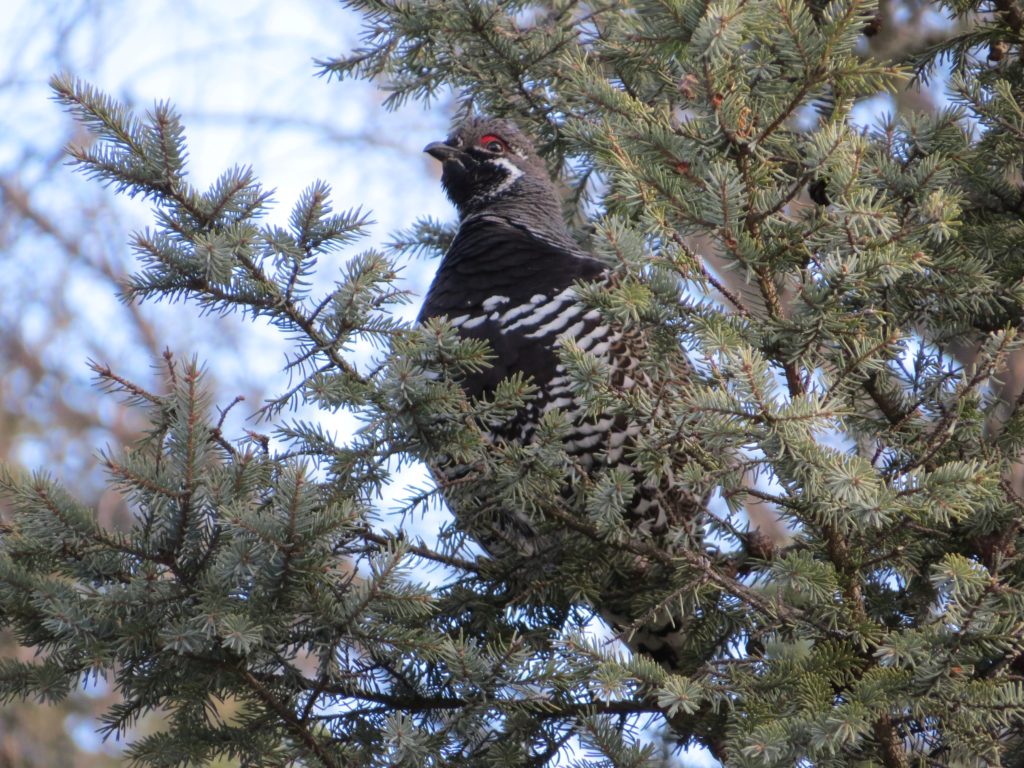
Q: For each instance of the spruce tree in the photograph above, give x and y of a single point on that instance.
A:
(850, 301)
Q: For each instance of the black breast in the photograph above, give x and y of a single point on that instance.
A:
(501, 283)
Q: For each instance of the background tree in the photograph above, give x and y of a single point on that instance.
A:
(862, 374)
(62, 240)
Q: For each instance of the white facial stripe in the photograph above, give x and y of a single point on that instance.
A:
(513, 174)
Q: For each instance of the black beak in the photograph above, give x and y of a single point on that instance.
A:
(441, 151)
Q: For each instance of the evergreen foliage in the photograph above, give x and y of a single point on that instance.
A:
(861, 381)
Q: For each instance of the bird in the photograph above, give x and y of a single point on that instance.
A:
(511, 276)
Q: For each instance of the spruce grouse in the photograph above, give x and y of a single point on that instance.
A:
(509, 277)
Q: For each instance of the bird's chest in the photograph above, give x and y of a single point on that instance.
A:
(527, 338)
(539, 320)
(525, 334)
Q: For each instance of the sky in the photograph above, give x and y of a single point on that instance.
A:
(243, 77)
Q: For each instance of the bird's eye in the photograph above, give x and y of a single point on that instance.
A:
(493, 143)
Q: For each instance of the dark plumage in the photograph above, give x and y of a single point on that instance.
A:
(509, 272)
(508, 277)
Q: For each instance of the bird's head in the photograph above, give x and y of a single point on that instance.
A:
(487, 162)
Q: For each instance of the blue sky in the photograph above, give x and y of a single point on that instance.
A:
(243, 77)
